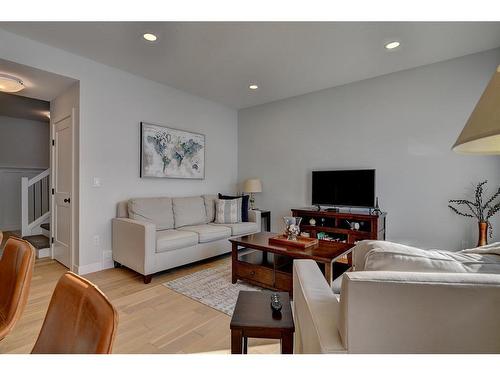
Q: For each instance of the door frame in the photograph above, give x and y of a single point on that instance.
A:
(53, 146)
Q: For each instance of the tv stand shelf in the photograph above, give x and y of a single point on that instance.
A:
(336, 225)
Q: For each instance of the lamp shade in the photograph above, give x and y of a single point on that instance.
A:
(252, 185)
(481, 134)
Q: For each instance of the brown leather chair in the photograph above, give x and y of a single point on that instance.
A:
(16, 271)
(80, 319)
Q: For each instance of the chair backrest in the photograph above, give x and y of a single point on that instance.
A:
(419, 312)
(80, 319)
(16, 271)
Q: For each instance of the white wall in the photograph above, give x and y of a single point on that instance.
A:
(112, 104)
(24, 143)
(403, 124)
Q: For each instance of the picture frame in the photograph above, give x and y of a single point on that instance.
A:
(167, 152)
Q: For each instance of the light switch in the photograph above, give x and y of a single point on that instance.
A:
(96, 182)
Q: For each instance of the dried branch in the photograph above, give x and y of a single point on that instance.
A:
(459, 213)
(483, 212)
(468, 204)
(487, 204)
(493, 210)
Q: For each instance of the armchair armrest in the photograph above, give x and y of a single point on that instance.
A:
(134, 244)
(254, 216)
(412, 312)
(315, 311)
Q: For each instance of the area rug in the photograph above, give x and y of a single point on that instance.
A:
(212, 287)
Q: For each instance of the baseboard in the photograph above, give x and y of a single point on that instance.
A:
(89, 268)
(108, 264)
(94, 267)
(44, 253)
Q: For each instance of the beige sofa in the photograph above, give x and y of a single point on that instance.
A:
(428, 302)
(155, 234)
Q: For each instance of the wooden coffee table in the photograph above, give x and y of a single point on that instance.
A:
(257, 262)
(253, 317)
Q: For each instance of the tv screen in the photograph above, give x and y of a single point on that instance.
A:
(355, 188)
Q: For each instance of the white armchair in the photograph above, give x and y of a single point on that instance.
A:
(396, 312)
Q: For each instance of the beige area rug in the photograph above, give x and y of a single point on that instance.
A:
(212, 287)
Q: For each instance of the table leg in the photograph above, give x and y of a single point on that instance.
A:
(234, 261)
(245, 345)
(328, 273)
(287, 343)
(236, 341)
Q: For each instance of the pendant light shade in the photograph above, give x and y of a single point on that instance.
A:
(481, 134)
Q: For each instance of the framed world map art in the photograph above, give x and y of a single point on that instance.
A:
(171, 153)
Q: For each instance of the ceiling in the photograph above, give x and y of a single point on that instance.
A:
(219, 60)
(39, 84)
(22, 107)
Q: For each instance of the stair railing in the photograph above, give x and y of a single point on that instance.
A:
(35, 201)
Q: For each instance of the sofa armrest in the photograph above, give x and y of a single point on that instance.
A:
(134, 244)
(254, 216)
(315, 311)
(414, 312)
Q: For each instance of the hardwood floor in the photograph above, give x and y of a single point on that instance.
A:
(152, 318)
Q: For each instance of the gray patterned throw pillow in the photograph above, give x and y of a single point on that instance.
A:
(228, 211)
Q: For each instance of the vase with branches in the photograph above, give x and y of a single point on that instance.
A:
(480, 209)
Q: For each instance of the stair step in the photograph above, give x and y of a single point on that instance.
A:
(39, 241)
(45, 226)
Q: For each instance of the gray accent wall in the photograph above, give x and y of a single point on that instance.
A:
(24, 143)
(402, 124)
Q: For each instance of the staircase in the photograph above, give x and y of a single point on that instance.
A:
(35, 212)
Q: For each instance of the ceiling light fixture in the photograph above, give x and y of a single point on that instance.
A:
(10, 83)
(150, 37)
(253, 86)
(392, 45)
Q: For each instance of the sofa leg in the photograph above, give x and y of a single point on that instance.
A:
(117, 265)
(147, 279)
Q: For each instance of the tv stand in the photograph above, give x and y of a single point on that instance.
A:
(339, 226)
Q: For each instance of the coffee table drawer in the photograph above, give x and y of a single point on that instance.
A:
(283, 281)
(253, 272)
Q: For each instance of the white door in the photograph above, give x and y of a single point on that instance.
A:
(63, 187)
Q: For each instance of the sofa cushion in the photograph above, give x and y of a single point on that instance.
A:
(153, 210)
(411, 259)
(244, 204)
(227, 211)
(240, 229)
(168, 240)
(207, 232)
(189, 211)
(210, 207)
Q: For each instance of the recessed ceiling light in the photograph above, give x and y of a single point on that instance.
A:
(392, 45)
(150, 37)
(253, 86)
(10, 83)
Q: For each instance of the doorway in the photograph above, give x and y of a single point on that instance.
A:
(48, 207)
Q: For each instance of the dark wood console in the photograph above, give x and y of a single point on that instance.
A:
(336, 225)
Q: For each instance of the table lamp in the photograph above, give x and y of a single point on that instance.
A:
(481, 134)
(252, 185)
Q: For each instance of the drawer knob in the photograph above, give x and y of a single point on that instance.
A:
(252, 273)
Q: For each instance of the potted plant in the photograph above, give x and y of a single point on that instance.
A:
(479, 210)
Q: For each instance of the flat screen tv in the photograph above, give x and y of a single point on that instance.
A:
(353, 188)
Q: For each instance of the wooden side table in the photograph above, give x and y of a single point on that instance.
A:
(253, 317)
